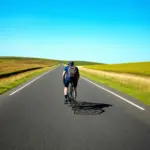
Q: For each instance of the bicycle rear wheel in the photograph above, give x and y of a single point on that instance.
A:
(71, 91)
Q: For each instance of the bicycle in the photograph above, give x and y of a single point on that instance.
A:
(71, 92)
(71, 95)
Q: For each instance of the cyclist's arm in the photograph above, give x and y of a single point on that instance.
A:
(64, 74)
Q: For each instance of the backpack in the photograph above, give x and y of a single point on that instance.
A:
(72, 72)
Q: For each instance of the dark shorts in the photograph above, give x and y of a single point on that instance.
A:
(75, 82)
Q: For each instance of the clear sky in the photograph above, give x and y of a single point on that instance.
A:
(108, 31)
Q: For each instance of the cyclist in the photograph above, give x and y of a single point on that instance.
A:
(70, 73)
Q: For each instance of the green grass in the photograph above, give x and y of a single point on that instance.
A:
(7, 85)
(9, 65)
(130, 89)
(139, 68)
(4, 75)
(13, 64)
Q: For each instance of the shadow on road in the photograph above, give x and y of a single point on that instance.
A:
(88, 108)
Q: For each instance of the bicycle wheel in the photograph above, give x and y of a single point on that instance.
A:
(73, 92)
(73, 98)
(74, 107)
(70, 92)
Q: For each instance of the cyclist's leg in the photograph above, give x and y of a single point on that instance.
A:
(66, 89)
(75, 88)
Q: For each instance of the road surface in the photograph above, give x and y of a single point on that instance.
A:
(35, 118)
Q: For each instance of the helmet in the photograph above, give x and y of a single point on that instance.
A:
(71, 63)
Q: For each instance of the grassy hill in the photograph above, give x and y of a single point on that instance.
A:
(139, 68)
(21, 69)
(10, 65)
(13, 64)
(16, 70)
(130, 78)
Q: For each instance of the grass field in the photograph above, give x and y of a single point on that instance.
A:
(140, 94)
(12, 64)
(133, 85)
(139, 68)
(113, 75)
(12, 81)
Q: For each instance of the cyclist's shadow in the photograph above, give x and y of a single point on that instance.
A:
(89, 108)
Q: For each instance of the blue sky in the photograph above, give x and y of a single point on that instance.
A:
(110, 31)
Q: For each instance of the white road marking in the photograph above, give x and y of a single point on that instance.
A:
(30, 82)
(124, 99)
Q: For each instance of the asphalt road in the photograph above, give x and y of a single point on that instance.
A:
(35, 118)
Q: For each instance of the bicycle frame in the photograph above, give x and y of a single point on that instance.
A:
(71, 91)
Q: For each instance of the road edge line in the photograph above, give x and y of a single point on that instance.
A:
(124, 99)
(30, 82)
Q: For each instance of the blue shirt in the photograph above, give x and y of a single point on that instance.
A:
(66, 70)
